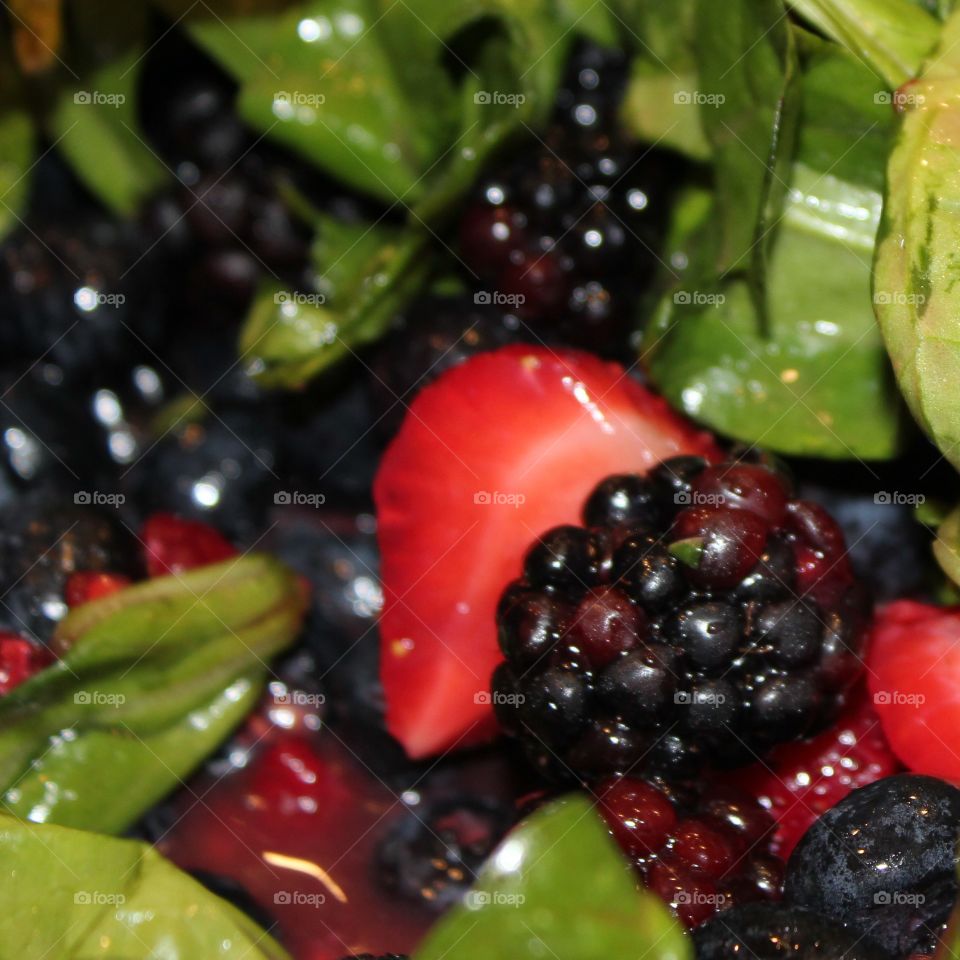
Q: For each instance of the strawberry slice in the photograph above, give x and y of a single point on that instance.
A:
(20, 659)
(493, 453)
(86, 585)
(800, 781)
(913, 669)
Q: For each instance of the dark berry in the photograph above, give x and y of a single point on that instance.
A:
(607, 745)
(648, 573)
(789, 631)
(537, 281)
(488, 235)
(784, 707)
(718, 547)
(555, 704)
(531, 626)
(606, 625)
(741, 486)
(768, 931)
(883, 862)
(641, 686)
(432, 856)
(710, 633)
(674, 480)
(46, 540)
(774, 576)
(626, 500)
(563, 557)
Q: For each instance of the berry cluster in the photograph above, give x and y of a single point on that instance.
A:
(700, 855)
(566, 232)
(700, 614)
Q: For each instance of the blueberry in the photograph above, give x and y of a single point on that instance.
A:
(883, 862)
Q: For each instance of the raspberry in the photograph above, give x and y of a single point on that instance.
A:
(173, 545)
(674, 626)
(86, 585)
(19, 660)
(699, 856)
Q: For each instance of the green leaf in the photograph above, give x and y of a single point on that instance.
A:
(916, 291)
(892, 36)
(81, 895)
(94, 121)
(557, 886)
(16, 155)
(369, 274)
(149, 681)
(818, 382)
(748, 105)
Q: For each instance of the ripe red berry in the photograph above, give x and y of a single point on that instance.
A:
(174, 545)
(87, 585)
(20, 659)
(724, 545)
(538, 281)
(743, 486)
(488, 235)
(640, 816)
(606, 625)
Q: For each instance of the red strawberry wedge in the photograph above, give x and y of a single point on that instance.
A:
(492, 454)
(913, 670)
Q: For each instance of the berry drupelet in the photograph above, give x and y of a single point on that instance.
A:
(699, 614)
(699, 854)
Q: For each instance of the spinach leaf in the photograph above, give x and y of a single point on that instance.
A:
(813, 379)
(72, 894)
(17, 144)
(531, 901)
(892, 37)
(149, 681)
(94, 120)
(748, 104)
(368, 274)
(916, 292)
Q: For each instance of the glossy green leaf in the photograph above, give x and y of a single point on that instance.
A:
(748, 101)
(916, 289)
(289, 338)
(95, 120)
(72, 895)
(892, 36)
(149, 681)
(557, 887)
(16, 155)
(817, 383)
(946, 546)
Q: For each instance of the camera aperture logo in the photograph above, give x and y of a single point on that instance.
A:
(498, 98)
(298, 498)
(484, 498)
(99, 98)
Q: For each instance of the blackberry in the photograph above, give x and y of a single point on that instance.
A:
(432, 857)
(883, 862)
(700, 854)
(700, 613)
(44, 540)
(567, 232)
(766, 931)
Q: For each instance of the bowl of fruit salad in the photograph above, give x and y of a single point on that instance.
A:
(479, 480)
